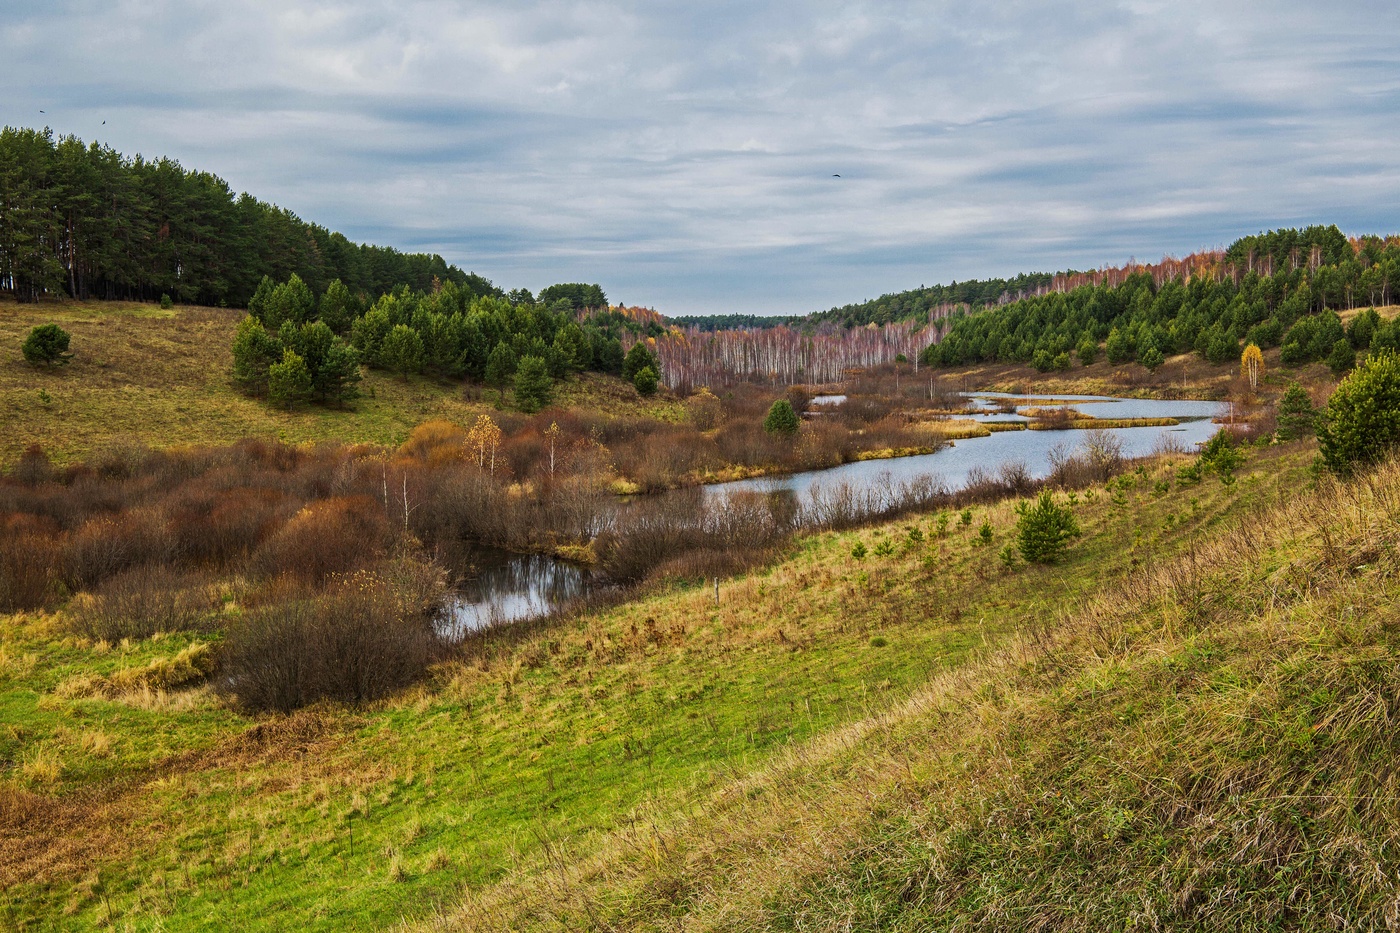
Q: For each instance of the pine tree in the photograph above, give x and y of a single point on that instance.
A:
(402, 351)
(336, 381)
(500, 367)
(646, 380)
(1342, 358)
(338, 306)
(1296, 415)
(637, 359)
(47, 344)
(1044, 530)
(289, 381)
(1361, 425)
(532, 384)
(254, 353)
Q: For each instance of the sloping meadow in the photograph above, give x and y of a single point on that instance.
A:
(1208, 745)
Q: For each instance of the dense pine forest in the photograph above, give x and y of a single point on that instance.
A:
(927, 301)
(83, 220)
(1277, 289)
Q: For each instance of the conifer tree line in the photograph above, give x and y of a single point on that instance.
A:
(86, 221)
(1279, 289)
(296, 346)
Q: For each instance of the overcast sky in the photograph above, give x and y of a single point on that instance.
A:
(682, 154)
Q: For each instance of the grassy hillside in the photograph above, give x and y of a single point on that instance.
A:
(620, 767)
(1208, 743)
(162, 378)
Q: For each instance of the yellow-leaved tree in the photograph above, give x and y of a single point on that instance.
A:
(1252, 365)
(482, 440)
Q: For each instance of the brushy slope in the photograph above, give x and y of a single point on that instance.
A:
(162, 378)
(134, 796)
(1208, 744)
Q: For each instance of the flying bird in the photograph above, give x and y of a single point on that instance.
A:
(835, 176)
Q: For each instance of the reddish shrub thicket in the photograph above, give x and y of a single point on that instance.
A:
(693, 530)
(225, 527)
(108, 544)
(30, 552)
(140, 602)
(331, 536)
(354, 642)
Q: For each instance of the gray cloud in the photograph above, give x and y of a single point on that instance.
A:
(682, 154)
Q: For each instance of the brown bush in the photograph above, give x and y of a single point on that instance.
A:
(353, 644)
(223, 527)
(30, 549)
(33, 467)
(676, 529)
(335, 535)
(106, 545)
(140, 603)
(436, 443)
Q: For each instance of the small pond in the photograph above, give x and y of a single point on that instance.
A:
(501, 587)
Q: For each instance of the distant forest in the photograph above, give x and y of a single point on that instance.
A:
(1277, 289)
(929, 301)
(709, 323)
(86, 221)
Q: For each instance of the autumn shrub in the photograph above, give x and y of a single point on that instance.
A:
(1104, 452)
(33, 467)
(468, 505)
(674, 530)
(352, 643)
(30, 549)
(331, 536)
(703, 410)
(221, 528)
(108, 544)
(745, 442)
(435, 443)
(141, 602)
(858, 411)
(823, 442)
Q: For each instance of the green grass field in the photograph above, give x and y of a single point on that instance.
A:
(151, 809)
(161, 378)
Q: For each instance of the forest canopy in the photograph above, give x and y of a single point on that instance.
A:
(86, 221)
(1280, 289)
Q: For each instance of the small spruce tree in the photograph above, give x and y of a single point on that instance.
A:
(646, 380)
(1361, 424)
(1296, 415)
(1044, 529)
(781, 419)
(637, 359)
(1342, 358)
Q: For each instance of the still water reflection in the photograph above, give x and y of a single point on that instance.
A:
(503, 587)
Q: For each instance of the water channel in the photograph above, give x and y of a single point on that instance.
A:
(502, 587)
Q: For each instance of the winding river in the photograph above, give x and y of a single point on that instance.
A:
(502, 587)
